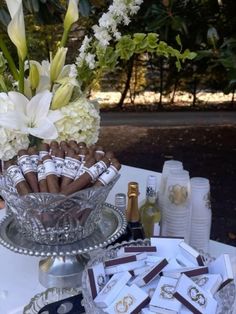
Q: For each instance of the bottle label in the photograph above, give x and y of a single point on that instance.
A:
(156, 229)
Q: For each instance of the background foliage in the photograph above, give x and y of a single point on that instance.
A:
(207, 27)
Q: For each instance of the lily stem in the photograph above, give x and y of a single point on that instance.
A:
(10, 61)
(64, 37)
(21, 76)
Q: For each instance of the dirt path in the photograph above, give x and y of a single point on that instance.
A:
(205, 151)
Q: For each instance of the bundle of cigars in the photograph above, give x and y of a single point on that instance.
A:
(65, 167)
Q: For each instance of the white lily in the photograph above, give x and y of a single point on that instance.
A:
(16, 27)
(32, 116)
(72, 14)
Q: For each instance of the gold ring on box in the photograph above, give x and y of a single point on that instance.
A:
(196, 296)
(123, 305)
(109, 286)
(167, 291)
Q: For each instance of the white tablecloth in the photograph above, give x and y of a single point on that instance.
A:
(19, 273)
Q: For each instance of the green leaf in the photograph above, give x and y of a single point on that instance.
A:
(125, 47)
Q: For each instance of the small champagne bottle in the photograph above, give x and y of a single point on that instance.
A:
(134, 227)
(150, 213)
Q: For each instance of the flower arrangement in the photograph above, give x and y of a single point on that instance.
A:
(48, 100)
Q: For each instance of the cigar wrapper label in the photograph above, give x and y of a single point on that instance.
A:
(70, 167)
(81, 171)
(42, 153)
(34, 161)
(96, 170)
(49, 167)
(15, 174)
(41, 172)
(107, 176)
(59, 162)
(25, 164)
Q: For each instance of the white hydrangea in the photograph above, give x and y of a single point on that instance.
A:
(10, 141)
(81, 122)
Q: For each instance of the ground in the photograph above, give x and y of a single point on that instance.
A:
(205, 151)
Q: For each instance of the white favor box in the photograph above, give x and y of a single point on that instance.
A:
(188, 271)
(163, 300)
(127, 258)
(124, 267)
(130, 300)
(190, 254)
(97, 279)
(172, 265)
(150, 274)
(208, 282)
(112, 289)
(222, 265)
(166, 246)
(151, 287)
(150, 250)
(194, 297)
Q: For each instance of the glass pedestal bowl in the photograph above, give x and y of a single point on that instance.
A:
(225, 296)
(55, 219)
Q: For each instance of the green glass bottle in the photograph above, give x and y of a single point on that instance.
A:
(150, 214)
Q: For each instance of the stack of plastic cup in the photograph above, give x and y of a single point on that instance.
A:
(201, 214)
(177, 204)
(167, 167)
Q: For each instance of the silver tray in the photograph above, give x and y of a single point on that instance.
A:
(112, 226)
(48, 296)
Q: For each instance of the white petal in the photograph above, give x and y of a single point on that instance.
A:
(45, 129)
(44, 84)
(38, 106)
(19, 100)
(12, 6)
(13, 120)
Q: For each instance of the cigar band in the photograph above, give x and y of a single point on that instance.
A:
(15, 174)
(59, 162)
(49, 167)
(41, 172)
(34, 161)
(42, 153)
(25, 163)
(101, 152)
(82, 157)
(96, 170)
(70, 167)
(108, 175)
(81, 171)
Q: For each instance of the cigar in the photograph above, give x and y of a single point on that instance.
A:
(17, 178)
(83, 151)
(99, 153)
(82, 179)
(34, 156)
(43, 150)
(82, 144)
(43, 187)
(25, 164)
(107, 176)
(72, 144)
(54, 144)
(70, 168)
(58, 160)
(51, 175)
(109, 155)
(64, 146)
